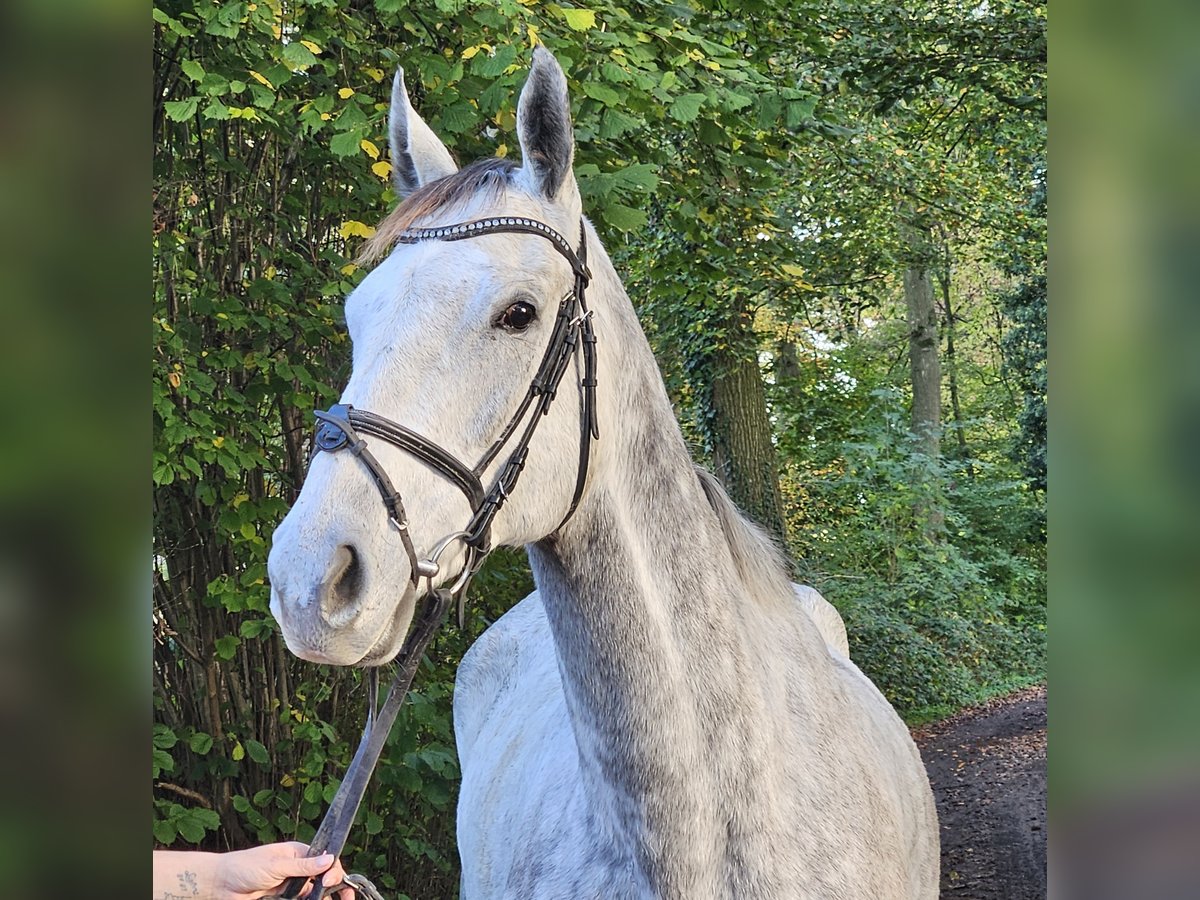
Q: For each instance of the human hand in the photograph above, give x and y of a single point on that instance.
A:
(260, 871)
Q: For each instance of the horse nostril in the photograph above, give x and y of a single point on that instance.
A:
(341, 589)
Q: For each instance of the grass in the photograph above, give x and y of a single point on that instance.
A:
(923, 715)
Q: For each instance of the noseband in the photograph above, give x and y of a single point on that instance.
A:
(342, 427)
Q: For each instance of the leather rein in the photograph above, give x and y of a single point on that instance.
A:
(342, 427)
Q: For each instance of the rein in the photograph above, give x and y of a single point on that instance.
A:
(341, 428)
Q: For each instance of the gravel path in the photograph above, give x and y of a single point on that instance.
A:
(987, 765)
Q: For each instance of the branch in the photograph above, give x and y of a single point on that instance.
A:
(184, 792)
(851, 283)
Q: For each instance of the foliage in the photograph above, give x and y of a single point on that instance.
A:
(1025, 342)
(744, 163)
(929, 620)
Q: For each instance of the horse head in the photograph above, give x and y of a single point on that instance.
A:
(448, 335)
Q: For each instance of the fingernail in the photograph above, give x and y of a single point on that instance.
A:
(325, 859)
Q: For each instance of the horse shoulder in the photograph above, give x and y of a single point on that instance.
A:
(491, 669)
(522, 812)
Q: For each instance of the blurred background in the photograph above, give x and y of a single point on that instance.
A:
(1124, 465)
(1124, 517)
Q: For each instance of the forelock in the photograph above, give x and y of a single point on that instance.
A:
(484, 176)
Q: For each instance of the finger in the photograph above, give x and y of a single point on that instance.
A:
(310, 866)
(335, 875)
(295, 848)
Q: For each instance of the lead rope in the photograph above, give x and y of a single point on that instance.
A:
(339, 818)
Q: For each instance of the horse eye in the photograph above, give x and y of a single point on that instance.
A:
(517, 317)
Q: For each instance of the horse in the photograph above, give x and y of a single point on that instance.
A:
(667, 715)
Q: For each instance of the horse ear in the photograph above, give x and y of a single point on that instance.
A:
(544, 125)
(418, 157)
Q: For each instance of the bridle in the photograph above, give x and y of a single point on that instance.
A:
(342, 424)
(342, 428)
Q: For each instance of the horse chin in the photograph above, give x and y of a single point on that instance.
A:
(389, 642)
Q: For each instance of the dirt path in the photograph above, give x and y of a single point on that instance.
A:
(987, 766)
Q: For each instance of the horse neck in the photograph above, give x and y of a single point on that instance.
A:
(656, 639)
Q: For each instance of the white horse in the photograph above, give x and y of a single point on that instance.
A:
(662, 717)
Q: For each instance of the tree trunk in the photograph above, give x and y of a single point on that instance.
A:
(787, 366)
(923, 345)
(923, 358)
(740, 432)
(960, 430)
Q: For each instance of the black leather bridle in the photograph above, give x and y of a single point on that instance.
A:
(342, 425)
(342, 428)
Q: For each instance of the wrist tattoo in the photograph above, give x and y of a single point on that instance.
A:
(187, 888)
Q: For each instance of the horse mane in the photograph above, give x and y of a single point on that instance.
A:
(490, 174)
(760, 562)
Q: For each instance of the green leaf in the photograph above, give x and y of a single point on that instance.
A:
(346, 143)
(615, 123)
(200, 742)
(799, 111)
(686, 107)
(601, 92)
(624, 218)
(216, 110)
(263, 98)
(181, 110)
(489, 65)
(190, 830)
(162, 762)
(493, 97)
(173, 24)
(640, 176)
(579, 19)
(164, 832)
(614, 74)
(226, 646)
(253, 628)
(712, 133)
(769, 107)
(459, 117)
(206, 817)
(374, 822)
(733, 101)
(164, 737)
(296, 55)
(214, 85)
(192, 69)
(279, 75)
(257, 752)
